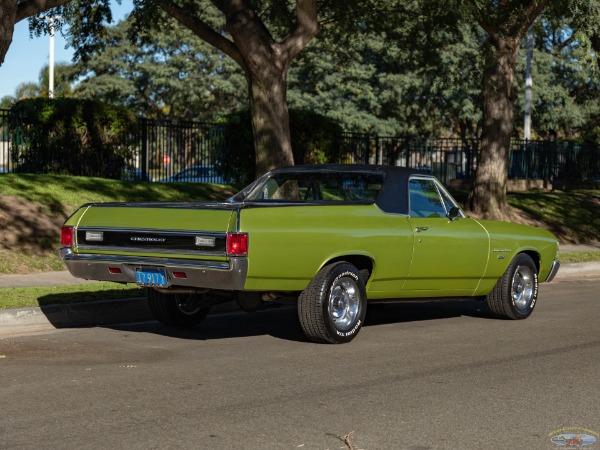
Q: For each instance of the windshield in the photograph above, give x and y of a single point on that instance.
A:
(321, 186)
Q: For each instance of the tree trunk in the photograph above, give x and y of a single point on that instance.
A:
(8, 11)
(266, 63)
(595, 39)
(488, 197)
(270, 123)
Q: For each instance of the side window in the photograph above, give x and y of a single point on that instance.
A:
(424, 199)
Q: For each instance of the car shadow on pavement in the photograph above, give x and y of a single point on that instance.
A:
(416, 311)
(282, 323)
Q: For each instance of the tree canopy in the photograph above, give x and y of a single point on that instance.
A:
(170, 74)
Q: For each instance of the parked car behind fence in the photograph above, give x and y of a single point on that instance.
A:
(195, 174)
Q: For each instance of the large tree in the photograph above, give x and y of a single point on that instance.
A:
(263, 37)
(264, 60)
(505, 22)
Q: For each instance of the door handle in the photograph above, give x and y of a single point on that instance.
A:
(419, 229)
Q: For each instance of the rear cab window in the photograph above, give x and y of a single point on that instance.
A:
(350, 187)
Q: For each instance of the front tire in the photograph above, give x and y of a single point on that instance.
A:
(332, 308)
(177, 310)
(515, 294)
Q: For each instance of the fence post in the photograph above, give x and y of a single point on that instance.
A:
(144, 155)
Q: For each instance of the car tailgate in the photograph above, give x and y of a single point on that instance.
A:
(188, 230)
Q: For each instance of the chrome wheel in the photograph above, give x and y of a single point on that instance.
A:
(522, 288)
(344, 303)
(332, 308)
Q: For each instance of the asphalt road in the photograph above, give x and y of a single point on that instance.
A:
(418, 376)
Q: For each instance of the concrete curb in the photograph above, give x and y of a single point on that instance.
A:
(578, 270)
(110, 312)
(77, 314)
(88, 314)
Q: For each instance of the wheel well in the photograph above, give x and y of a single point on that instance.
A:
(536, 258)
(361, 262)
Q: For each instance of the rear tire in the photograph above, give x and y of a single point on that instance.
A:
(332, 308)
(177, 310)
(515, 294)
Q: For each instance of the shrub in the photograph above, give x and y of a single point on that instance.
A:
(315, 140)
(77, 137)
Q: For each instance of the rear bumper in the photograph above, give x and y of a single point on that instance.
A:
(227, 275)
(553, 270)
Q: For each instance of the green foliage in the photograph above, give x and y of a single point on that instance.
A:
(315, 140)
(79, 137)
(63, 74)
(236, 157)
(83, 20)
(165, 73)
(6, 102)
(566, 82)
(415, 71)
(410, 67)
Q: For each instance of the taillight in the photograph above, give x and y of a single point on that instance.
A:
(237, 244)
(66, 236)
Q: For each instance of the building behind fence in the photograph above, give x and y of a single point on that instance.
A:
(159, 150)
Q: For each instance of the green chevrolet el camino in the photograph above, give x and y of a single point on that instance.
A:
(331, 237)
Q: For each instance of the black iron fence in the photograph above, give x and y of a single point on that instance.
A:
(454, 158)
(180, 151)
(191, 151)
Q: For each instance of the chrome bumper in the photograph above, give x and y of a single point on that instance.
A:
(553, 271)
(228, 275)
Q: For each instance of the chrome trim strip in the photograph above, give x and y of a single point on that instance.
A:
(153, 250)
(141, 260)
(155, 230)
(553, 271)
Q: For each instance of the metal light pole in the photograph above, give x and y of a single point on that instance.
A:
(51, 61)
(528, 86)
(51, 55)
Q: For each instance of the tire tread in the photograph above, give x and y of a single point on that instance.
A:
(498, 300)
(311, 305)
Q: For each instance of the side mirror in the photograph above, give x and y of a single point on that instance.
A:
(454, 213)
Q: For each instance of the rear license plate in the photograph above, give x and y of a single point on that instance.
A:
(151, 276)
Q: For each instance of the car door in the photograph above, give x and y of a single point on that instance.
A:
(450, 251)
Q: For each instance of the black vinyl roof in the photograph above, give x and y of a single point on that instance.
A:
(392, 198)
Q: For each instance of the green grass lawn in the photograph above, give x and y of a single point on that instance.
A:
(577, 257)
(63, 193)
(573, 216)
